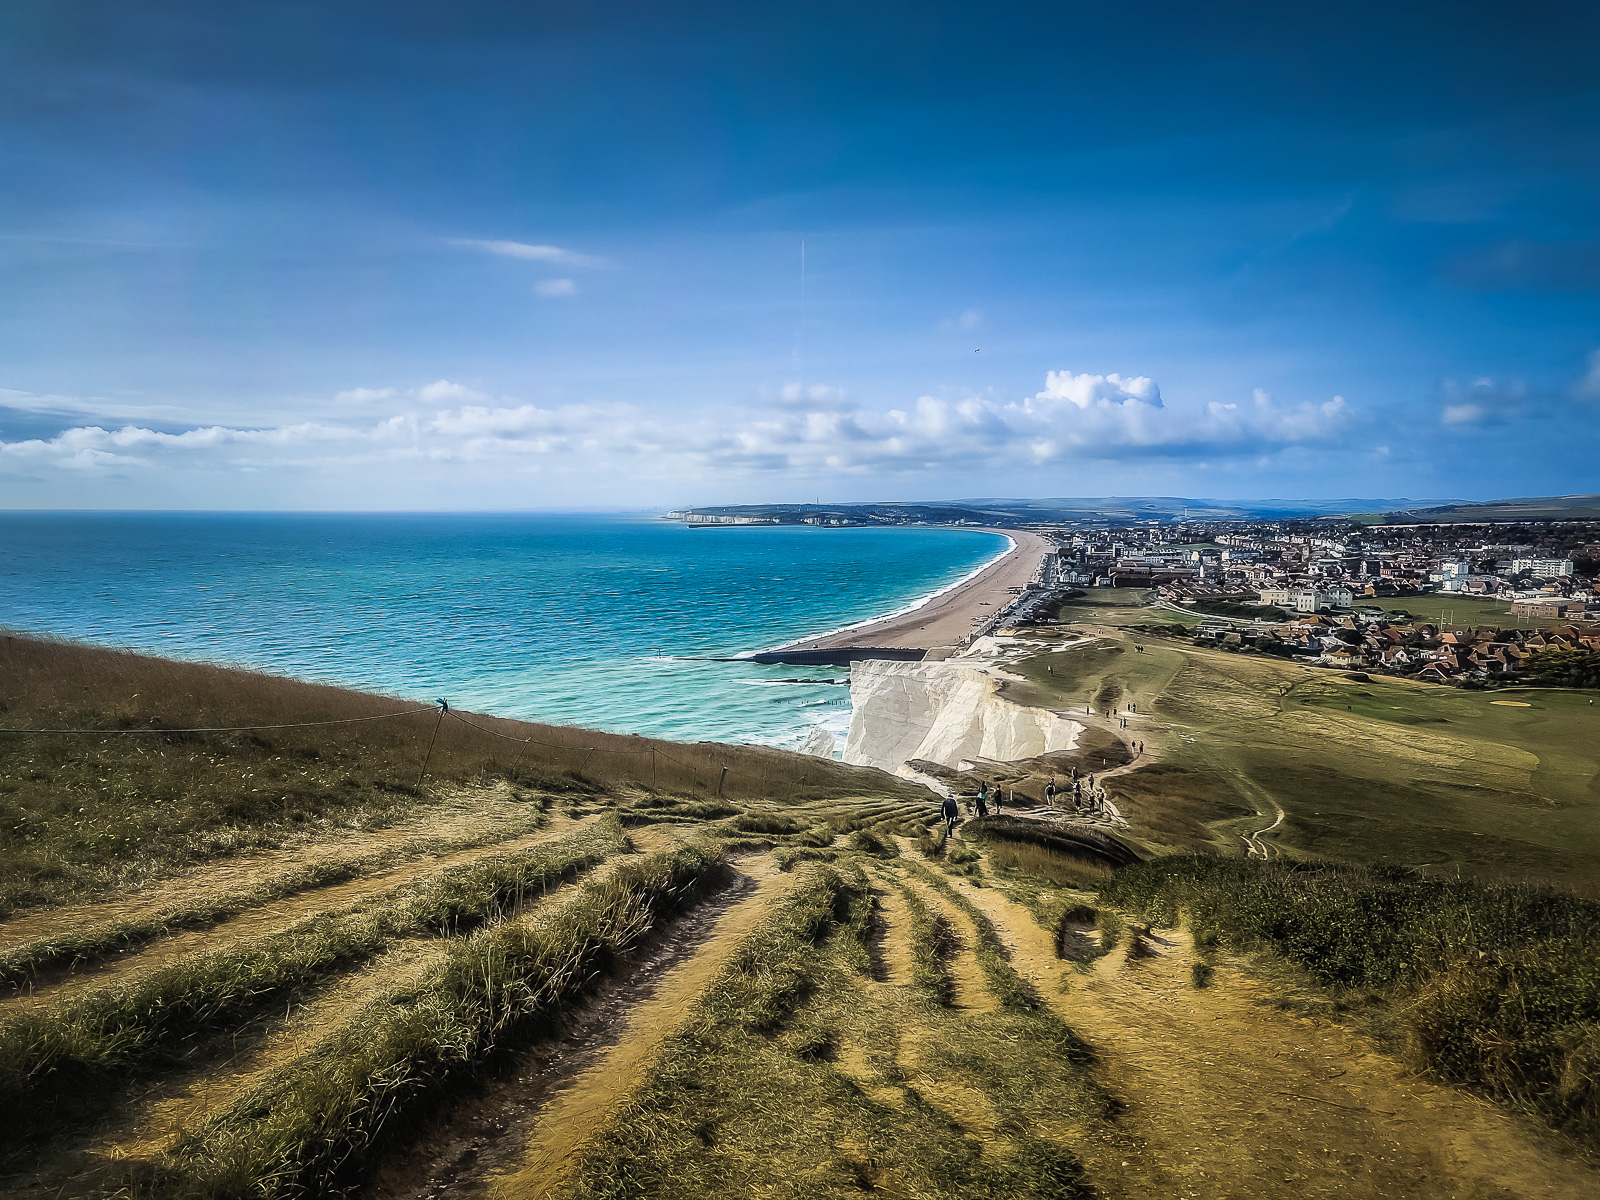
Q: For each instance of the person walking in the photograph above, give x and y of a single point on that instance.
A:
(951, 812)
(1050, 793)
(983, 800)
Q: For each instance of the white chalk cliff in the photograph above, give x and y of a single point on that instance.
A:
(943, 712)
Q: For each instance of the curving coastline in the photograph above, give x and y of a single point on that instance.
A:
(946, 617)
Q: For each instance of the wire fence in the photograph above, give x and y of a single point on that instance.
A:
(442, 709)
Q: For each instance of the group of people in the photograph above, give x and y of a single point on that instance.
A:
(1086, 795)
(978, 806)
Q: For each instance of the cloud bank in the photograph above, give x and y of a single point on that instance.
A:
(809, 433)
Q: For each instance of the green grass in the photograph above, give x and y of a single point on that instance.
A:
(90, 816)
(1383, 771)
(1496, 987)
(307, 1130)
(81, 945)
(53, 1061)
(1457, 610)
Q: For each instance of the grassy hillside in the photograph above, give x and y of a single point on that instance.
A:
(1501, 785)
(555, 968)
(93, 813)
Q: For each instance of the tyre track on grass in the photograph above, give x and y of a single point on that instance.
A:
(134, 1144)
(972, 992)
(1231, 1099)
(514, 1138)
(462, 819)
(405, 964)
(313, 1126)
(332, 900)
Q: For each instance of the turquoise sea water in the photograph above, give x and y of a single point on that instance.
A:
(609, 622)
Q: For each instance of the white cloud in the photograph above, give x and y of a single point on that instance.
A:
(815, 397)
(555, 287)
(364, 395)
(1486, 402)
(531, 253)
(442, 390)
(810, 431)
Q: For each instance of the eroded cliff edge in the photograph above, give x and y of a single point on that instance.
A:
(943, 712)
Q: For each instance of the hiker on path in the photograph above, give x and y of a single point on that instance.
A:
(951, 812)
(998, 792)
(1050, 793)
(983, 800)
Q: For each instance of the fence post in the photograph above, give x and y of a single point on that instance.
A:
(722, 780)
(652, 766)
(443, 708)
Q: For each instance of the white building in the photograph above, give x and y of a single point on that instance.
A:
(1308, 599)
(1544, 568)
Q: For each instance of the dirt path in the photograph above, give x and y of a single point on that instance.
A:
(892, 946)
(970, 987)
(584, 1106)
(263, 921)
(464, 819)
(515, 1135)
(99, 1159)
(1227, 1097)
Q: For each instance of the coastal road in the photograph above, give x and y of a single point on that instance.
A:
(948, 617)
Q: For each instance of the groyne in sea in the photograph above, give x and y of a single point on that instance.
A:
(841, 656)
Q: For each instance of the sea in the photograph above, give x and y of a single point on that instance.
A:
(624, 623)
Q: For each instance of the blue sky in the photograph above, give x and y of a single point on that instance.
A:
(482, 255)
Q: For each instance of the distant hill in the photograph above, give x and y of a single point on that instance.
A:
(1527, 508)
(1059, 510)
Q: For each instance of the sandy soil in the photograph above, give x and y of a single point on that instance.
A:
(948, 618)
(1227, 1097)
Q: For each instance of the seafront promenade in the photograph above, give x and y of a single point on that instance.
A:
(949, 617)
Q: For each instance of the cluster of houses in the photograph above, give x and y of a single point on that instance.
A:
(1305, 566)
(1373, 640)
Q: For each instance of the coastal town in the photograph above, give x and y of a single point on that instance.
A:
(1449, 600)
(1335, 594)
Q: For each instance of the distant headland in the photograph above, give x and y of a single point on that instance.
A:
(1161, 510)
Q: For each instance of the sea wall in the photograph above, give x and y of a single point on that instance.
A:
(943, 712)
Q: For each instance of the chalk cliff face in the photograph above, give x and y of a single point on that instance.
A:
(943, 712)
